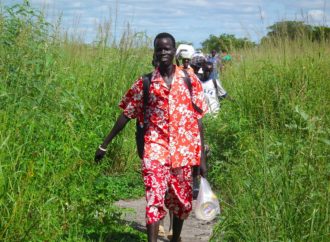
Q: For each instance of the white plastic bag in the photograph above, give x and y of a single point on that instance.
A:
(207, 204)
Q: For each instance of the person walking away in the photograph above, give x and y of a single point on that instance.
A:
(173, 140)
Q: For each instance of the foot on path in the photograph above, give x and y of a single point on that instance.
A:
(193, 230)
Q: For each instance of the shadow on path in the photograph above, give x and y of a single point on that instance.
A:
(194, 230)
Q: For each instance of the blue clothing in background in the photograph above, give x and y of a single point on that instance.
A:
(216, 62)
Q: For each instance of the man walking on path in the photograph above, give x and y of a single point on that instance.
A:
(173, 137)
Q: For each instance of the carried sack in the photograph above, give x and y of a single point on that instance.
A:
(140, 130)
(207, 204)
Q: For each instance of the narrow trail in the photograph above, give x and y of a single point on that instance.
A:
(194, 230)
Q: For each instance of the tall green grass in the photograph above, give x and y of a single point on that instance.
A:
(271, 145)
(58, 100)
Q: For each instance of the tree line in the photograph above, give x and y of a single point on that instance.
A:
(291, 30)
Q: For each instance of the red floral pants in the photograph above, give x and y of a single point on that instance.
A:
(167, 186)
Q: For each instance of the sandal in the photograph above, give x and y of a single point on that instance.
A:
(161, 231)
(170, 237)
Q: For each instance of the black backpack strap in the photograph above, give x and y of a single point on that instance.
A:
(215, 86)
(187, 80)
(140, 131)
(146, 85)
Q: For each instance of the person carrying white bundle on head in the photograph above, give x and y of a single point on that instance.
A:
(185, 53)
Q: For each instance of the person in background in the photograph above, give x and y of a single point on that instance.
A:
(173, 143)
(226, 57)
(185, 57)
(215, 59)
(197, 62)
(213, 90)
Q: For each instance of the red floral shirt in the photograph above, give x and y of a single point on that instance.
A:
(172, 134)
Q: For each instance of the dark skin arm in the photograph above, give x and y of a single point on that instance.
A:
(225, 97)
(118, 126)
(202, 166)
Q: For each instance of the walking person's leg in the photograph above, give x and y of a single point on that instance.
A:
(155, 181)
(152, 230)
(177, 227)
(179, 198)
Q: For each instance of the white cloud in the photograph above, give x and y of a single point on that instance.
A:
(305, 4)
(316, 15)
(190, 20)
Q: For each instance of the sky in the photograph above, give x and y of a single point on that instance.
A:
(187, 20)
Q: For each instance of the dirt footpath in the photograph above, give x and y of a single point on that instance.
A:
(194, 230)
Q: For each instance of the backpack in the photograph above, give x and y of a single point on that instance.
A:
(140, 131)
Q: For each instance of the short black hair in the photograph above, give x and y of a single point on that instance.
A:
(164, 35)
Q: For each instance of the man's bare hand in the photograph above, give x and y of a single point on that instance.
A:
(99, 154)
(203, 169)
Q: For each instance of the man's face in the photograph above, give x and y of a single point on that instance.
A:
(207, 69)
(213, 52)
(185, 62)
(164, 51)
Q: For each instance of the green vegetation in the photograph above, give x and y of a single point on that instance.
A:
(271, 146)
(58, 99)
(226, 42)
(295, 30)
(292, 30)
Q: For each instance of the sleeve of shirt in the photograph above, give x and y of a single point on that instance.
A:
(132, 102)
(198, 97)
(221, 91)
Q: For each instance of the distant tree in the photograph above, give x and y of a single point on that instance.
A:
(225, 42)
(212, 43)
(290, 29)
(321, 33)
(295, 30)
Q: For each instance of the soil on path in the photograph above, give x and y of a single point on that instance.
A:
(194, 230)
